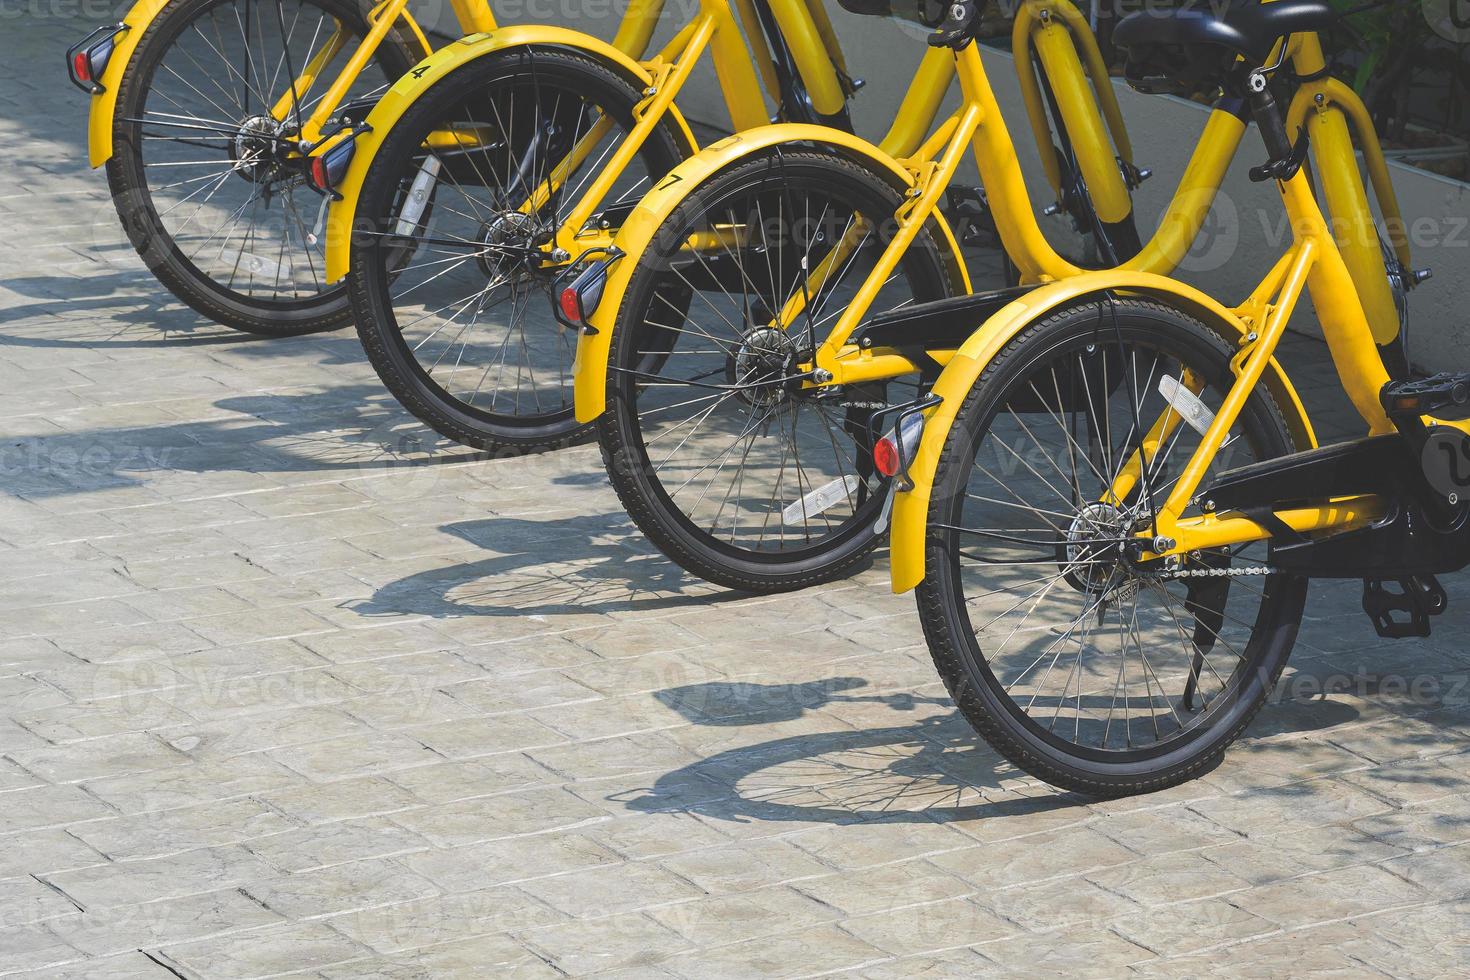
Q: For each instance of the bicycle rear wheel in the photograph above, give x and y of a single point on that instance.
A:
(202, 170)
(450, 278)
(731, 465)
(1080, 662)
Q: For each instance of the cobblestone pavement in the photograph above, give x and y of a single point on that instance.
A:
(287, 692)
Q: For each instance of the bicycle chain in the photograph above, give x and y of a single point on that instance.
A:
(1224, 572)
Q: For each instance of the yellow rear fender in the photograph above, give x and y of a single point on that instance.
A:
(633, 238)
(448, 59)
(910, 509)
(104, 104)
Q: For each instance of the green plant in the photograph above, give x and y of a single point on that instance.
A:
(1401, 67)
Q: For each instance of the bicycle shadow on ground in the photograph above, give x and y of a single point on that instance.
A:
(554, 567)
(135, 313)
(350, 429)
(934, 768)
(744, 703)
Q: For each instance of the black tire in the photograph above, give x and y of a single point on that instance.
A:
(1087, 755)
(388, 288)
(187, 37)
(645, 348)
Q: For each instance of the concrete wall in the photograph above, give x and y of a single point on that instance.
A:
(1246, 230)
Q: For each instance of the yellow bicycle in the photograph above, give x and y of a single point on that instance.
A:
(204, 113)
(213, 116)
(499, 162)
(456, 303)
(778, 299)
(1112, 503)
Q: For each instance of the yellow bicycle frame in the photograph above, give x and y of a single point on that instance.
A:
(474, 15)
(1057, 33)
(740, 70)
(927, 170)
(1314, 263)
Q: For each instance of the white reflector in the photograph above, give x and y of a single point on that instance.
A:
(821, 499)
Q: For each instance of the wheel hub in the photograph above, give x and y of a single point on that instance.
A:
(765, 356)
(511, 239)
(1092, 554)
(254, 149)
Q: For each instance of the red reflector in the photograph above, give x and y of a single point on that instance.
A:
(571, 306)
(885, 457)
(319, 174)
(81, 66)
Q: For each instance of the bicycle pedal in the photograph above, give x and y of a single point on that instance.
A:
(1444, 396)
(1421, 597)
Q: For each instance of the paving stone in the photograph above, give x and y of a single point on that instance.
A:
(355, 755)
(1167, 880)
(187, 785)
(33, 946)
(1298, 806)
(1276, 955)
(738, 867)
(96, 719)
(1181, 929)
(476, 737)
(444, 918)
(1443, 872)
(889, 886)
(1422, 826)
(1057, 902)
(1067, 952)
(1302, 852)
(27, 900)
(810, 951)
(1060, 854)
(292, 686)
(865, 845)
(1337, 894)
(914, 929)
(347, 799)
(721, 920)
(115, 755)
(500, 862)
(607, 890)
(39, 807)
(631, 942)
(293, 946)
(447, 782)
(950, 963)
(340, 888)
(300, 850)
(145, 642)
(184, 829)
(499, 954)
(507, 815)
(173, 876)
(99, 932)
(126, 966)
